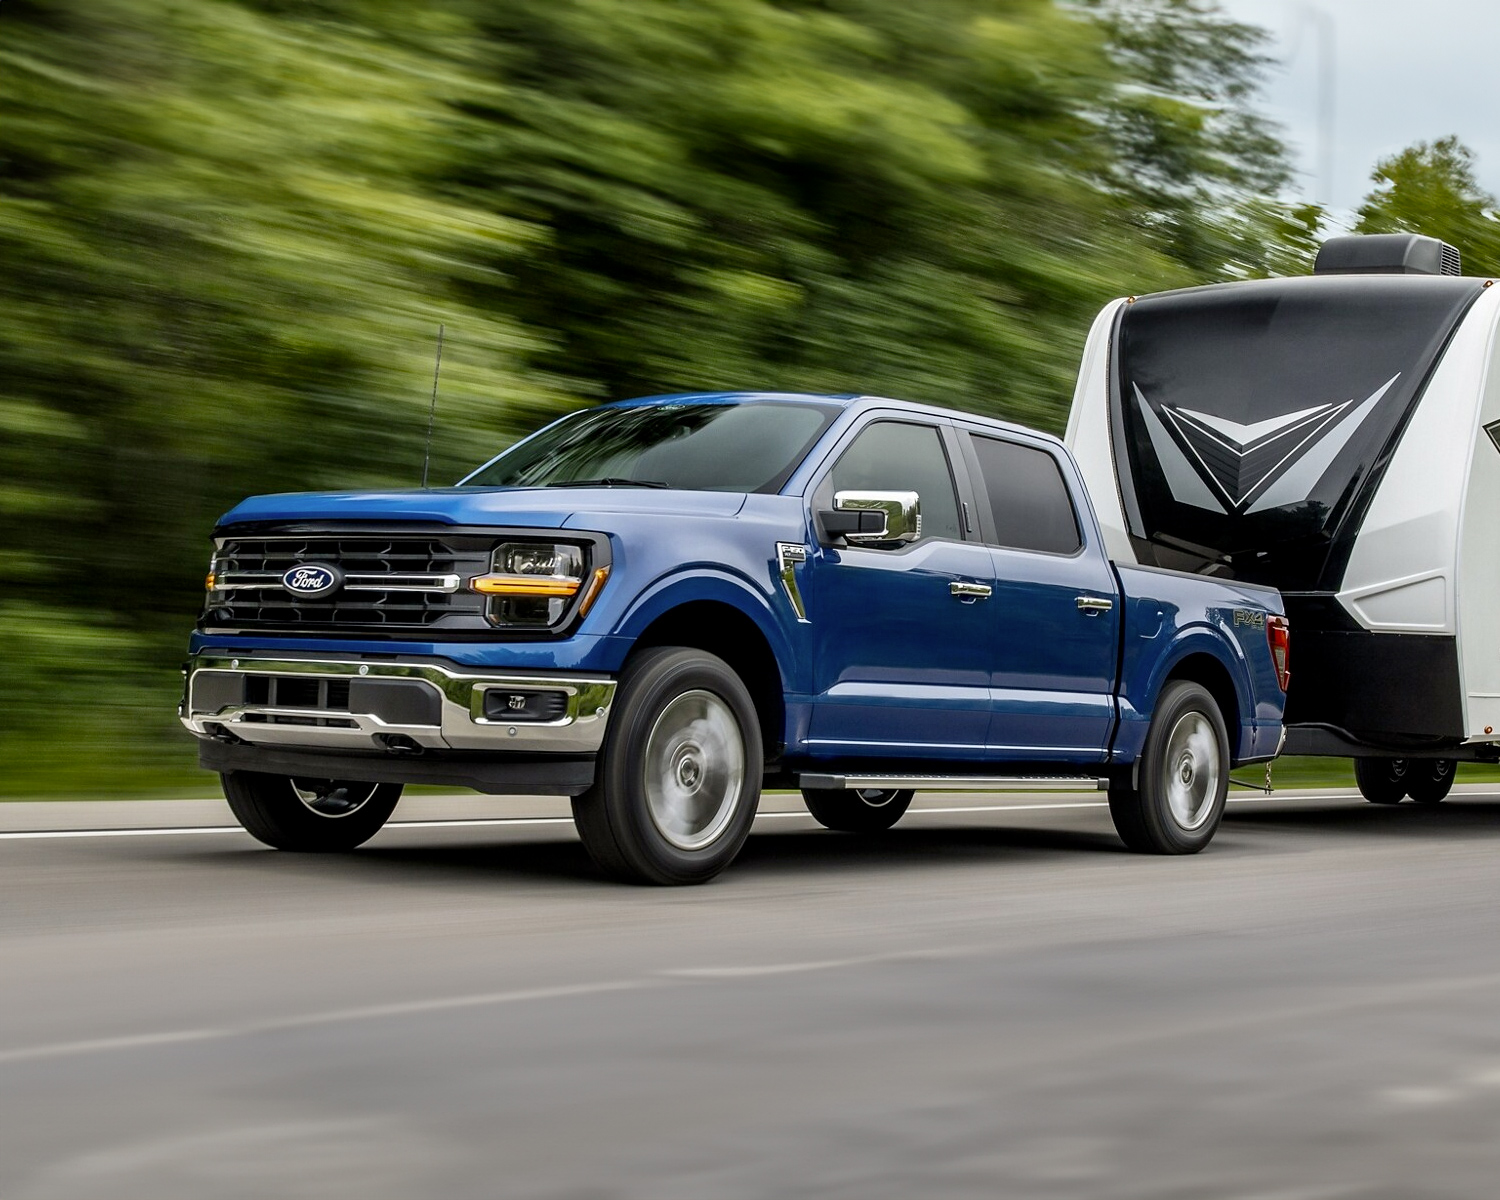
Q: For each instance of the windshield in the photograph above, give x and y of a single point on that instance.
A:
(745, 447)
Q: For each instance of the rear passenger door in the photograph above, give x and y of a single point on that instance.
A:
(901, 633)
(1056, 618)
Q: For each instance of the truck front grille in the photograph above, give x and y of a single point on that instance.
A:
(389, 583)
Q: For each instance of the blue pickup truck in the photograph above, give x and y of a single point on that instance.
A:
(660, 607)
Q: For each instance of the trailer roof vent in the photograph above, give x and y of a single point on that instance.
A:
(1387, 254)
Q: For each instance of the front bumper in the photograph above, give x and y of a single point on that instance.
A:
(388, 706)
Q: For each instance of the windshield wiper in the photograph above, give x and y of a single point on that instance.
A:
(609, 481)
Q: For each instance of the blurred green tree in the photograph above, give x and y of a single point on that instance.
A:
(847, 194)
(1430, 188)
(1202, 170)
(222, 267)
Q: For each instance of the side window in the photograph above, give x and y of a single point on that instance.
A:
(892, 456)
(1028, 497)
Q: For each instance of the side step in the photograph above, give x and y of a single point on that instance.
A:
(957, 783)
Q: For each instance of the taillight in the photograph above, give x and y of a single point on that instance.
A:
(1279, 637)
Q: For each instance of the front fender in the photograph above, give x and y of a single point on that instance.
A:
(698, 585)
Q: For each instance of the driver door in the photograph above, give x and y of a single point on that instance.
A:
(901, 666)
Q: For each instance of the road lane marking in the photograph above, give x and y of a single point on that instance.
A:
(1467, 1085)
(1343, 1001)
(792, 968)
(478, 822)
(671, 977)
(331, 1017)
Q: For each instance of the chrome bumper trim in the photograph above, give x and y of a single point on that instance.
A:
(462, 724)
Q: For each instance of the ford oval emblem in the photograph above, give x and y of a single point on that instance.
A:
(312, 579)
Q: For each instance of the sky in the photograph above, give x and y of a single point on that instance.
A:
(1403, 72)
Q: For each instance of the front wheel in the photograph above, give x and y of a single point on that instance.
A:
(679, 775)
(1182, 776)
(1383, 780)
(309, 815)
(1430, 781)
(858, 810)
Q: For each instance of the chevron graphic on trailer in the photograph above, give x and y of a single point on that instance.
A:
(1224, 466)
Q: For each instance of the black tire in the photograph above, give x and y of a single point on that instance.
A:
(679, 774)
(1429, 780)
(317, 816)
(1182, 776)
(1382, 780)
(861, 810)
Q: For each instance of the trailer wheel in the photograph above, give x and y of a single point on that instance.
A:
(317, 816)
(1383, 780)
(679, 776)
(859, 810)
(1430, 780)
(1182, 777)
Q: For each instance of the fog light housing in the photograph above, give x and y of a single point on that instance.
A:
(507, 704)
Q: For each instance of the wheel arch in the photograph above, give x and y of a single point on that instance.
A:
(1209, 671)
(727, 631)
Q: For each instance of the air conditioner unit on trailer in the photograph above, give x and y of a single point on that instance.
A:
(1338, 437)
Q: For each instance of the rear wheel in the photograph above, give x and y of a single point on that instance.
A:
(309, 815)
(1430, 780)
(679, 775)
(858, 810)
(1182, 777)
(1383, 780)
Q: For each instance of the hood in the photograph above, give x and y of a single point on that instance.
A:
(546, 508)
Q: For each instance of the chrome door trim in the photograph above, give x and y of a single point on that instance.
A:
(788, 555)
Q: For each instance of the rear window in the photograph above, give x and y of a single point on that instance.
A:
(1029, 500)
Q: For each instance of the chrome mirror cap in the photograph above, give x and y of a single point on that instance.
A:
(902, 512)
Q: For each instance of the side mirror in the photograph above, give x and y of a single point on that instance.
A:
(875, 518)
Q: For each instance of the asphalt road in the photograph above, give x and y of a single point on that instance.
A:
(977, 1004)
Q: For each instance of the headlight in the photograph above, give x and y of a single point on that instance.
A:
(216, 595)
(535, 584)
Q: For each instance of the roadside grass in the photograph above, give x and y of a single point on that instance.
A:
(1336, 773)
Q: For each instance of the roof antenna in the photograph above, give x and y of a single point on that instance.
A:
(432, 411)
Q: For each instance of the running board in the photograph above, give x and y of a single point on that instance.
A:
(957, 783)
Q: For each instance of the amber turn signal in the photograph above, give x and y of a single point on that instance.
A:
(208, 584)
(525, 585)
(591, 593)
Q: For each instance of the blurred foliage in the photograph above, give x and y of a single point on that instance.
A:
(1201, 169)
(229, 230)
(1430, 188)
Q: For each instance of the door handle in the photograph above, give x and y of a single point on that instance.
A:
(1092, 606)
(969, 591)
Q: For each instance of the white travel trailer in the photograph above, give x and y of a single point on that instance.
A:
(1338, 437)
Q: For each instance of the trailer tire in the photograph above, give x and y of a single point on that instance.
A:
(1182, 777)
(309, 816)
(679, 776)
(857, 810)
(1429, 781)
(1382, 780)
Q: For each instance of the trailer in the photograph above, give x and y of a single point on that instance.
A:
(1336, 436)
